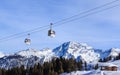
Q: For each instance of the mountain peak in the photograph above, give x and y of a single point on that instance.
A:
(33, 52)
(71, 49)
(115, 49)
(74, 50)
(73, 42)
(79, 45)
(114, 52)
(1, 55)
(111, 52)
(27, 53)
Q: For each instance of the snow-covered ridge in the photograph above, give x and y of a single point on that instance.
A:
(45, 54)
(79, 51)
(28, 58)
(32, 52)
(1, 55)
(114, 52)
(111, 52)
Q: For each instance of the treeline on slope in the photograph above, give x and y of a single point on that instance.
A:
(54, 67)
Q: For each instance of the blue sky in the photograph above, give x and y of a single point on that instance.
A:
(100, 30)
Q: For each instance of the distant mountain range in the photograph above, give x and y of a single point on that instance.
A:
(79, 51)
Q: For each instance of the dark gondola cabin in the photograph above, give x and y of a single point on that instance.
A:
(27, 40)
(51, 32)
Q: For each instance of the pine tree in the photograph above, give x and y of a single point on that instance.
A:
(85, 65)
(96, 67)
(79, 65)
(100, 60)
(119, 55)
(104, 60)
(59, 66)
(70, 65)
(0, 72)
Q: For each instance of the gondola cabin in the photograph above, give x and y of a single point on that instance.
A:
(27, 41)
(51, 33)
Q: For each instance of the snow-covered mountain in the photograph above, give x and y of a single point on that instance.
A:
(1, 55)
(113, 52)
(46, 53)
(28, 58)
(79, 51)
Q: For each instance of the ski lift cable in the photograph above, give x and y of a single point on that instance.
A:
(64, 20)
(22, 35)
(93, 9)
(86, 15)
(67, 21)
(72, 20)
(32, 30)
(41, 27)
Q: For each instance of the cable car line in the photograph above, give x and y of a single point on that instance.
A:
(22, 35)
(24, 32)
(86, 15)
(93, 9)
(63, 21)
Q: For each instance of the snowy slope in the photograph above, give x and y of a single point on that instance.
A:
(27, 58)
(1, 55)
(45, 54)
(114, 52)
(111, 52)
(77, 51)
(93, 73)
(32, 52)
(117, 62)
